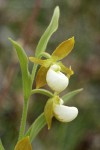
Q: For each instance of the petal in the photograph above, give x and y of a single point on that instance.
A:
(41, 77)
(61, 101)
(67, 71)
(57, 81)
(55, 67)
(63, 49)
(24, 144)
(65, 113)
(38, 61)
(48, 112)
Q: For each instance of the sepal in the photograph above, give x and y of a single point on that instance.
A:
(48, 112)
(38, 61)
(41, 77)
(68, 71)
(64, 49)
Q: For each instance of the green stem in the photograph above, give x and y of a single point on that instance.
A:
(42, 91)
(25, 108)
(23, 120)
(34, 72)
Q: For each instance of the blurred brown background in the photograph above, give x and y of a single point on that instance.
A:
(25, 21)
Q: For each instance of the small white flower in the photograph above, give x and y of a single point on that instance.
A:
(64, 113)
(55, 108)
(56, 80)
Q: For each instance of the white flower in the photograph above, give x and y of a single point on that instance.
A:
(64, 113)
(56, 80)
(55, 108)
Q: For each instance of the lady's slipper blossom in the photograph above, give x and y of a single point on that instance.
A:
(56, 80)
(55, 108)
(59, 53)
(65, 113)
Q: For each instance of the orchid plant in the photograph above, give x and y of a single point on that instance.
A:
(53, 73)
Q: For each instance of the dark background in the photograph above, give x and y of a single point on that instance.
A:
(25, 21)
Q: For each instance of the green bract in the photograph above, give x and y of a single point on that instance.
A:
(24, 144)
(48, 33)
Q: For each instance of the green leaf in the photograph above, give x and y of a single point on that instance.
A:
(70, 95)
(47, 34)
(23, 59)
(24, 144)
(1, 146)
(39, 123)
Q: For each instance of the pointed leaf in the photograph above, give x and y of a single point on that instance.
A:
(21, 55)
(23, 59)
(48, 112)
(41, 77)
(70, 95)
(24, 144)
(63, 49)
(1, 146)
(47, 34)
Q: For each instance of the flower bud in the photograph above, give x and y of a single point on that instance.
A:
(56, 80)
